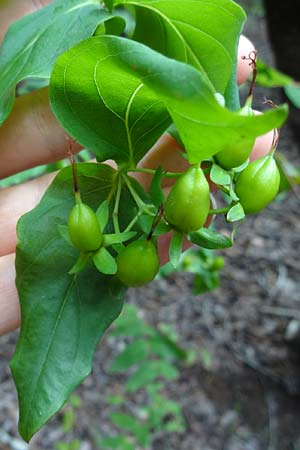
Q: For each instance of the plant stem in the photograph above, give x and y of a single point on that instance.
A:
(113, 187)
(77, 197)
(134, 194)
(219, 210)
(134, 220)
(152, 172)
(116, 206)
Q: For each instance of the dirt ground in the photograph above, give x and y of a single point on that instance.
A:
(249, 396)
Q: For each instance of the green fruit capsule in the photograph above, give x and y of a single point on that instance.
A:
(258, 184)
(138, 263)
(84, 229)
(188, 202)
(237, 152)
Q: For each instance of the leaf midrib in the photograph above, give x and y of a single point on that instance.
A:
(51, 340)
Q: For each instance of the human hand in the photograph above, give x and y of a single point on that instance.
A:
(32, 130)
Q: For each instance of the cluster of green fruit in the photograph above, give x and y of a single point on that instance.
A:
(185, 210)
(136, 264)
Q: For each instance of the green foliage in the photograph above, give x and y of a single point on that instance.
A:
(289, 173)
(150, 86)
(72, 445)
(66, 317)
(208, 238)
(292, 91)
(151, 356)
(219, 176)
(181, 31)
(270, 77)
(33, 43)
(206, 267)
(116, 96)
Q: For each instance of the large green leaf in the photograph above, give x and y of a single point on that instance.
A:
(107, 85)
(105, 108)
(201, 33)
(63, 316)
(33, 43)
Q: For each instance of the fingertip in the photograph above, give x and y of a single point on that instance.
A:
(244, 69)
(262, 145)
(9, 303)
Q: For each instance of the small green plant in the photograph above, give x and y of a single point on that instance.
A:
(72, 445)
(69, 418)
(204, 263)
(149, 358)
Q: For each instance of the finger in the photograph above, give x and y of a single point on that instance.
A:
(9, 303)
(167, 153)
(14, 202)
(11, 10)
(31, 135)
(262, 145)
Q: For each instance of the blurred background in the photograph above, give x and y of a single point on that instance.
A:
(208, 357)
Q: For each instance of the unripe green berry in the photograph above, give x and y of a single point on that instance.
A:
(84, 229)
(237, 152)
(258, 184)
(138, 263)
(188, 202)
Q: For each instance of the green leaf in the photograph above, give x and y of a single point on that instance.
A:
(163, 346)
(235, 213)
(129, 324)
(208, 238)
(270, 77)
(201, 33)
(175, 249)
(205, 281)
(116, 71)
(32, 44)
(105, 108)
(117, 443)
(133, 425)
(105, 262)
(63, 316)
(292, 91)
(126, 422)
(102, 214)
(156, 193)
(116, 238)
(289, 172)
(133, 353)
(219, 175)
(23, 176)
(149, 371)
(115, 400)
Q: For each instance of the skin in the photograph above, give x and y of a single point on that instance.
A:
(33, 127)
